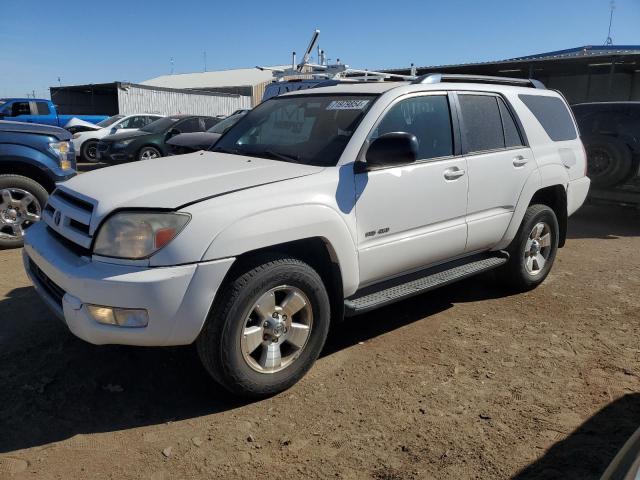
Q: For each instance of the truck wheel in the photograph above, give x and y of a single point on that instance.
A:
(609, 161)
(267, 328)
(89, 150)
(148, 153)
(21, 202)
(533, 250)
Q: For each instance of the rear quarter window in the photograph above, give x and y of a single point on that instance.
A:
(553, 115)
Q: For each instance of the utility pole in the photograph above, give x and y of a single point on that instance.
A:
(172, 63)
(612, 7)
(204, 54)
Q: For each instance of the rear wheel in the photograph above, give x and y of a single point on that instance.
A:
(147, 153)
(533, 250)
(268, 327)
(89, 150)
(21, 203)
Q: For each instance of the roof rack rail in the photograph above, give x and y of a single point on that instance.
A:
(462, 78)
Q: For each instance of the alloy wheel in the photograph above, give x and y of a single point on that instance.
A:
(537, 248)
(18, 210)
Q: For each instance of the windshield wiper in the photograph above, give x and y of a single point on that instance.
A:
(281, 156)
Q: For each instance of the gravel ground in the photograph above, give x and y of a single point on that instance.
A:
(464, 382)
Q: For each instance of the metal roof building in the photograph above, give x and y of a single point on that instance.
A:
(249, 82)
(588, 73)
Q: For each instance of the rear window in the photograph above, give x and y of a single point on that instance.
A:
(42, 108)
(553, 115)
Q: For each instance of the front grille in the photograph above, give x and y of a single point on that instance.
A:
(74, 247)
(45, 282)
(69, 215)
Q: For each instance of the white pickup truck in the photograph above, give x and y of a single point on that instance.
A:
(317, 205)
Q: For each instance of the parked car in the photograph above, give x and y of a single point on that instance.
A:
(196, 141)
(32, 110)
(86, 142)
(150, 141)
(318, 204)
(611, 136)
(32, 159)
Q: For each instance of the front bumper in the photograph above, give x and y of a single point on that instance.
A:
(177, 298)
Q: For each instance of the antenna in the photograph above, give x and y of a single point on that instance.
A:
(612, 7)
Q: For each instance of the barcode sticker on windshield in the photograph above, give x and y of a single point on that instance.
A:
(347, 104)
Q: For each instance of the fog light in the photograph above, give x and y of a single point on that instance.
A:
(120, 317)
(65, 164)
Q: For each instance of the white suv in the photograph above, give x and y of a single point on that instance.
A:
(317, 204)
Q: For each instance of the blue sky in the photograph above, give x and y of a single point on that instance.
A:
(93, 42)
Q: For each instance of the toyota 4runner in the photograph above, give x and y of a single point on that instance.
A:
(316, 205)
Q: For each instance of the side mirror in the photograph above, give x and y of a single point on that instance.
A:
(395, 148)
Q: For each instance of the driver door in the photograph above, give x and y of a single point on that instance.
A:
(412, 216)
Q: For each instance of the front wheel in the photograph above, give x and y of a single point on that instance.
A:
(533, 250)
(21, 203)
(147, 153)
(268, 327)
(89, 151)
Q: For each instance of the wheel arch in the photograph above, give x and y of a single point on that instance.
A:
(18, 167)
(554, 197)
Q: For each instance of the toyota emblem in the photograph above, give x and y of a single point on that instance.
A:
(56, 218)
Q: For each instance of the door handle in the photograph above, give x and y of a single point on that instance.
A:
(453, 173)
(520, 161)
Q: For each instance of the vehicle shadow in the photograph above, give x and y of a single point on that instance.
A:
(587, 451)
(54, 386)
(605, 222)
(89, 167)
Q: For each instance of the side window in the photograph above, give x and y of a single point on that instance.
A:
(149, 119)
(190, 125)
(42, 108)
(20, 108)
(210, 122)
(482, 125)
(511, 134)
(553, 115)
(137, 122)
(428, 118)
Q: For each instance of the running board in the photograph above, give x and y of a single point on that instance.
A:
(407, 286)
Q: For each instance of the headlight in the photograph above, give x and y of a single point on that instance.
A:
(123, 143)
(136, 235)
(61, 150)
(76, 135)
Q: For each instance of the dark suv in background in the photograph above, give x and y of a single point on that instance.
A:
(610, 132)
(150, 141)
(32, 159)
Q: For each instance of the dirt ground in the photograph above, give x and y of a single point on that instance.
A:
(464, 382)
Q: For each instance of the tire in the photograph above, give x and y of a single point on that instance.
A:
(222, 343)
(524, 271)
(15, 217)
(148, 153)
(609, 161)
(88, 151)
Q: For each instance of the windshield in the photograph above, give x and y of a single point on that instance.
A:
(308, 129)
(160, 125)
(224, 125)
(108, 121)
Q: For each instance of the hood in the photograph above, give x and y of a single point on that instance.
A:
(77, 122)
(172, 182)
(23, 127)
(194, 140)
(116, 137)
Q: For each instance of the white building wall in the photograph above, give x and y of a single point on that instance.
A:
(135, 99)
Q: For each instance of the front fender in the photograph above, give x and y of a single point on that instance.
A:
(24, 154)
(282, 225)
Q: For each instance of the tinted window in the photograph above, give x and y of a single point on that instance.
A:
(553, 115)
(511, 134)
(42, 108)
(109, 121)
(428, 118)
(160, 125)
(20, 108)
(210, 122)
(481, 123)
(190, 125)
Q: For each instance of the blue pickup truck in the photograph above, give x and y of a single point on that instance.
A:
(36, 110)
(33, 158)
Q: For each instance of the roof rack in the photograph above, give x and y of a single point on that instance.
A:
(457, 77)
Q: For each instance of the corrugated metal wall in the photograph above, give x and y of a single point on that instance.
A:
(138, 99)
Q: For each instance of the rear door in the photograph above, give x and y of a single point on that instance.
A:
(499, 163)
